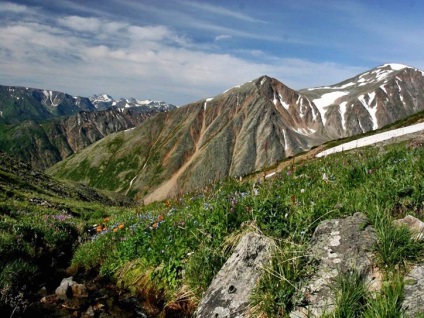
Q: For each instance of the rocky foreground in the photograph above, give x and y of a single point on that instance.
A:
(338, 246)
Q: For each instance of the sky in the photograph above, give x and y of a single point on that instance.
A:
(181, 51)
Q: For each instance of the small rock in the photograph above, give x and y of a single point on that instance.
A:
(415, 225)
(69, 288)
(89, 313)
(50, 299)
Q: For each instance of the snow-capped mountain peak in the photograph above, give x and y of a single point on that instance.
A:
(394, 66)
(105, 101)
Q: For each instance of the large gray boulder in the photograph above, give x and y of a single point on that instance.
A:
(339, 246)
(228, 294)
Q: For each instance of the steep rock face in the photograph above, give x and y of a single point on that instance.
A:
(235, 133)
(45, 144)
(244, 130)
(370, 100)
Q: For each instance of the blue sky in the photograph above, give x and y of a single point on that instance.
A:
(181, 51)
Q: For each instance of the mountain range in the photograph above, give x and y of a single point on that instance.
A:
(43, 127)
(242, 130)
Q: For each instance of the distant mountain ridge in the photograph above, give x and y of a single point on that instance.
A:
(243, 130)
(18, 104)
(43, 127)
(105, 101)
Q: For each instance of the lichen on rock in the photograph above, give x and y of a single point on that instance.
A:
(228, 294)
(339, 246)
(413, 303)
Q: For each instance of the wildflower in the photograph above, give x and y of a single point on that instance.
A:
(115, 229)
(99, 228)
(106, 220)
(232, 210)
(121, 226)
(160, 218)
(302, 190)
(325, 178)
(155, 225)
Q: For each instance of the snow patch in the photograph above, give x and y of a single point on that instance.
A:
(396, 67)
(280, 99)
(326, 100)
(285, 105)
(342, 111)
(366, 141)
(384, 89)
(286, 146)
(305, 131)
(371, 110)
(206, 102)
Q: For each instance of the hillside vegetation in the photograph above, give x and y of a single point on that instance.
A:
(169, 251)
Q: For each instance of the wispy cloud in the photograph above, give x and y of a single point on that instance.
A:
(221, 11)
(222, 37)
(202, 50)
(87, 55)
(12, 7)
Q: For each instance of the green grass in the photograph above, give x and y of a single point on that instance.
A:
(351, 295)
(396, 247)
(186, 248)
(387, 303)
(173, 249)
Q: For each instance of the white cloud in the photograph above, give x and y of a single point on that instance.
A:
(88, 55)
(12, 7)
(223, 37)
(217, 10)
(82, 24)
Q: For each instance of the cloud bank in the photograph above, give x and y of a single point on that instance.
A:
(82, 53)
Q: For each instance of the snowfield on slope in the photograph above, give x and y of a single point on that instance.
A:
(370, 140)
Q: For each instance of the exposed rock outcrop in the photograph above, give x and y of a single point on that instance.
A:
(413, 303)
(228, 294)
(339, 246)
(415, 226)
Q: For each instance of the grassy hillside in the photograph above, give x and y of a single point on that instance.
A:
(171, 250)
(41, 223)
(168, 252)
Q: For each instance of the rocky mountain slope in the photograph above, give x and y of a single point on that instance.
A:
(43, 145)
(43, 127)
(18, 104)
(243, 130)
